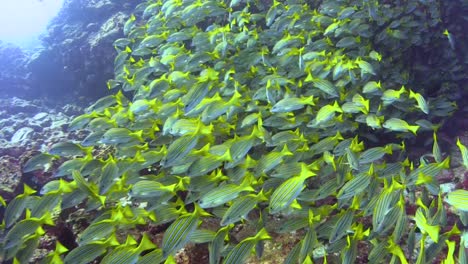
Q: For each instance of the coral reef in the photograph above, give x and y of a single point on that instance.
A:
(26, 128)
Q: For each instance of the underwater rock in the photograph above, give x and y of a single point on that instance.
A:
(16, 105)
(78, 54)
(13, 73)
(27, 127)
(71, 110)
(41, 120)
(10, 172)
(22, 135)
(108, 31)
(40, 116)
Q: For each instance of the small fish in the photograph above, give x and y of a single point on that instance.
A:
(154, 256)
(97, 231)
(371, 87)
(118, 135)
(81, 121)
(347, 12)
(441, 214)
(427, 125)
(389, 96)
(17, 205)
(179, 149)
(203, 103)
(331, 28)
(152, 41)
(101, 104)
(88, 188)
(354, 186)
(129, 24)
(54, 257)
(169, 109)
(122, 42)
(40, 161)
(450, 38)
(464, 152)
(109, 175)
(396, 124)
(422, 104)
(142, 105)
(282, 121)
(314, 55)
(123, 117)
(286, 137)
(216, 109)
(190, 126)
(286, 41)
(241, 251)
(396, 250)
(326, 87)
(362, 103)
(178, 233)
(47, 203)
(458, 199)
(326, 113)
(207, 163)
(241, 206)
(339, 70)
(128, 252)
(87, 253)
(68, 149)
(178, 77)
(374, 121)
(375, 55)
(450, 252)
(385, 204)
(152, 9)
(365, 66)
(92, 139)
(271, 160)
(224, 193)
(347, 42)
(329, 159)
(149, 188)
(402, 222)
(292, 224)
(289, 190)
(352, 159)
(352, 108)
(424, 179)
(325, 144)
(342, 225)
(241, 146)
(291, 104)
(216, 246)
(17, 236)
(66, 168)
(425, 227)
(424, 171)
(101, 124)
(373, 154)
(182, 35)
(159, 85)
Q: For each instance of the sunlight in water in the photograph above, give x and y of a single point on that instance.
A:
(21, 21)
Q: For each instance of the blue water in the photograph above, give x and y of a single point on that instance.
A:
(25, 20)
